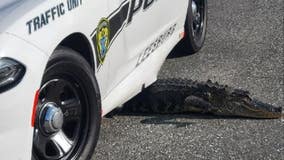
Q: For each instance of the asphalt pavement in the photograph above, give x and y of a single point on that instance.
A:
(244, 49)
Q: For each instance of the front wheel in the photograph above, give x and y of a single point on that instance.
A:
(68, 113)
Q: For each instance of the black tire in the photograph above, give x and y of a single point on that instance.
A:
(81, 120)
(193, 41)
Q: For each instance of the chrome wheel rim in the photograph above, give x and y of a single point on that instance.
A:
(198, 17)
(61, 122)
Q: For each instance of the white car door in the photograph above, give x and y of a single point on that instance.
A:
(131, 35)
(148, 21)
(134, 26)
(142, 27)
(118, 54)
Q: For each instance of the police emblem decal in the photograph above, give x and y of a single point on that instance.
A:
(102, 39)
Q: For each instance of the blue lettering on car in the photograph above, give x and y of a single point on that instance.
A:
(51, 14)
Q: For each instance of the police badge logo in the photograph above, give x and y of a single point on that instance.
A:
(102, 39)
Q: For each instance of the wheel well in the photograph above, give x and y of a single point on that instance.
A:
(79, 43)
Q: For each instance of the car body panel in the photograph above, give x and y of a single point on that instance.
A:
(16, 104)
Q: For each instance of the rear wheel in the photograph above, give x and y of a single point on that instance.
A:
(195, 27)
(68, 113)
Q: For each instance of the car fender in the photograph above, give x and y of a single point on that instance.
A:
(17, 103)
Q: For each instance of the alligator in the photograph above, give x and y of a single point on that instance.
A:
(176, 96)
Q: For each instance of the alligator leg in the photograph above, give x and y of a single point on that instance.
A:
(170, 96)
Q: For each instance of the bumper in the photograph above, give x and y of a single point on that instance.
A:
(16, 104)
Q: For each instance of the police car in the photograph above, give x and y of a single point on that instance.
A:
(66, 63)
